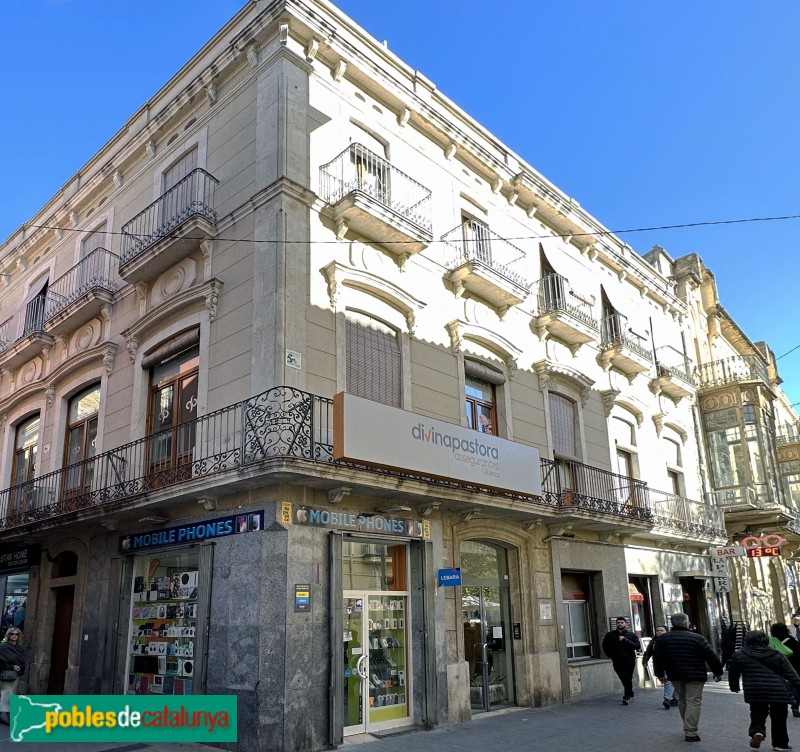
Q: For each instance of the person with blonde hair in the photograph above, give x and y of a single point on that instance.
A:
(12, 666)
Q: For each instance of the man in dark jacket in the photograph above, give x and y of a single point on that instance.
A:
(620, 645)
(683, 655)
(765, 673)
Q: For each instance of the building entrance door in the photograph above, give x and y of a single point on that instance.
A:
(486, 620)
(376, 666)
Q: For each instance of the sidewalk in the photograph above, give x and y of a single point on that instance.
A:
(601, 723)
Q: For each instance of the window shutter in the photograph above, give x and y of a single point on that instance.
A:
(483, 372)
(176, 345)
(373, 360)
(180, 169)
(563, 423)
(94, 240)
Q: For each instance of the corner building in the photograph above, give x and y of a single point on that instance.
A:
(286, 415)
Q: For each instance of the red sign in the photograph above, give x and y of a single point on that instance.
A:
(756, 553)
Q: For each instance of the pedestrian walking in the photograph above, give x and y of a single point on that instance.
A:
(620, 645)
(782, 641)
(12, 666)
(796, 626)
(670, 700)
(764, 673)
(682, 655)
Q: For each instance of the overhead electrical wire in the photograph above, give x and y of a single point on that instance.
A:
(596, 233)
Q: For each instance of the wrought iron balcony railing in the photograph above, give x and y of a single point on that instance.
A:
(553, 293)
(733, 370)
(474, 241)
(191, 197)
(573, 485)
(672, 363)
(615, 332)
(682, 515)
(94, 272)
(25, 321)
(359, 169)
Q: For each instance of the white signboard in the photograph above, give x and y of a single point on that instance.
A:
(722, 584)
(671, 592)
(369, 432)
(728, 551)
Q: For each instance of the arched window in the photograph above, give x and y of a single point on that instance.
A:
(26, 445)
(81, 443)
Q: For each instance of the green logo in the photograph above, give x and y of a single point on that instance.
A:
(123, 718)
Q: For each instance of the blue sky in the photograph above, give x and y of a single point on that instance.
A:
(647, 114)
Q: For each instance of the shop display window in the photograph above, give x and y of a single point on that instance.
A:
(163, 625)
(15, 600)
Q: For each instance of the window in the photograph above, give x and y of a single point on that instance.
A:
(576, 605)
(477, 243)
(480, 402)
(81, 443)
(672, 454)
(34, 308)
(624, 434)
(791, 481)
(24, 466)
(372, 174)
(179, 193)
(373, 360)
(564, 435)
(173, 407)
(94, 240)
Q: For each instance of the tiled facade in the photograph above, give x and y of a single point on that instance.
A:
(299, 214)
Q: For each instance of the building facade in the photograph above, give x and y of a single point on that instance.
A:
(315, 393)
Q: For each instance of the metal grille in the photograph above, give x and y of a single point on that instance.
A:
(373, 360)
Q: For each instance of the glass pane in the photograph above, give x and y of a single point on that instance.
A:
(374, 566)
(727, 463)
(480, 563)
(563, 426)
(485, 419)
(579, 621)
(479, 390)
(84, 405)
(28, 433)
(388, 697)
(353, 654)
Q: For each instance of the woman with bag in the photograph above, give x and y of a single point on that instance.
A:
(766, 675)
(12, 665)
(784, 643)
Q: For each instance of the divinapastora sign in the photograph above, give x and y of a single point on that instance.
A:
(382, 436)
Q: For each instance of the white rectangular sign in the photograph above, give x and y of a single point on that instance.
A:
(728, 551)
(672, 592)
(369, 432)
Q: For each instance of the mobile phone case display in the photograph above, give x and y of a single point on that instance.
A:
(161, 656)
(387, 652)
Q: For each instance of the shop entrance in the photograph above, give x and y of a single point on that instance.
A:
(486, 620)
(375, 625)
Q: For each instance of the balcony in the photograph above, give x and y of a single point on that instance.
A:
(737, 369)
(169, 229)
(788, 434)
(622, 348)
(562, 314)
(283, 432)
(686, 519)
(753, 505)
(22, 336)
(79, 295)
(366, 194)
(673, 377)
(600, 499)
(485, 265)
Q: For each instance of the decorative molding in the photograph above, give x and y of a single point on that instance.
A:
(403, 117)
(117, 178)
(469, 514)
(151, 149)
(658, 422)
(497, 185)
(426, 509)
(283, 34)
(608, 396)
(312, 50)
(109, 353)
(500, 347)
(454, 330)
(110, 525)
(341, 229)
(679, 429)
(141, 296)
(132, 345)
(207, 248)
(450, 151)
(512, 367)
(212, 297)
(531, 210)
(547, 370)
(50, 395)
(513, 197)
(338, 71)
(211, 93)
(74, 218)
(252, 53)
(339, 276)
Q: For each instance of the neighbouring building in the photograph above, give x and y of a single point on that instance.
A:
(286, 413)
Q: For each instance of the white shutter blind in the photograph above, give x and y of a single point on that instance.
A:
(563, 426)
(180, 169)
(373, 360)
(94, 240)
